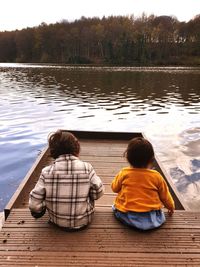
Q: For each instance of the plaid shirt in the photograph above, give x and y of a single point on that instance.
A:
(67, 188)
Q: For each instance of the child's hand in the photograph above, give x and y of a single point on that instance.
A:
(38, 215)
(170, 212)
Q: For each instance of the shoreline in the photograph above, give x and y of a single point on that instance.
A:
(190, 64)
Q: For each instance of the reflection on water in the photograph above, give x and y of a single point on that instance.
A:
(161, 102)
(187, 171)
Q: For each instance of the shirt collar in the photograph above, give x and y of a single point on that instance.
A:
(66, 157)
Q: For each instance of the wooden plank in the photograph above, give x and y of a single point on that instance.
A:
(101, 240)
(119, 239)
(105, 135)
(38, 258)
(21, 218)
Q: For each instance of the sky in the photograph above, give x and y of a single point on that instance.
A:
(19, 14)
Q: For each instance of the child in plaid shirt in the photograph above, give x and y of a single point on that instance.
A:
(67, 188)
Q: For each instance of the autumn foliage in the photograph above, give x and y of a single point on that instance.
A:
(147, 40)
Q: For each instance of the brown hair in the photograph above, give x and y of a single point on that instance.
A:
(63, 142)
(139, 152)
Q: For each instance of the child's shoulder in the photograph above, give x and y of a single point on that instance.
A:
(126, 169)
(87, 166)
(150, 173)
(47, 168)
(154, 172)
(156, 175)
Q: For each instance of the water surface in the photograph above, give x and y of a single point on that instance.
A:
(161, 102)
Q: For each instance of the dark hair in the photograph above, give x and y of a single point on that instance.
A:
(139, 152)
(63, 142)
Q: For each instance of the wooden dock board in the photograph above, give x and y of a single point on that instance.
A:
(25, 241)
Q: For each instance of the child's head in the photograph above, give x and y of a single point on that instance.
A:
(62, 142)
(139, 152)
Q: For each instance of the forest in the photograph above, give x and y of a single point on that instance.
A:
(118, 40)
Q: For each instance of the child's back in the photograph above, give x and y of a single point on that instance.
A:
(68, 187)
(142, 192)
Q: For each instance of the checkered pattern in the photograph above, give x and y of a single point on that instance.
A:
(67, 188)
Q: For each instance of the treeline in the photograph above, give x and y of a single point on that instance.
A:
(147, 40)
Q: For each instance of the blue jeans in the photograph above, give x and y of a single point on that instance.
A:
(141, 220)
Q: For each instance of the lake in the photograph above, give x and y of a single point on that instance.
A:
(163, 103)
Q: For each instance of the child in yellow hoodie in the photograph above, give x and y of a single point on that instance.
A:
(142, 192)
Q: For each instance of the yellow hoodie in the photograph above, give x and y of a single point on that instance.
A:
(141, 190)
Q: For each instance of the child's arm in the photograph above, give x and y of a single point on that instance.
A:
(36, 199)
(166, 197)
(117, 182)
(96, 188)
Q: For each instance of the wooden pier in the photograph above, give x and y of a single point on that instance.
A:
(25, 241)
